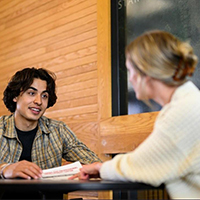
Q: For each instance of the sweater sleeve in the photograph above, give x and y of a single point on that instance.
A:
(170, 152)
(155, 161)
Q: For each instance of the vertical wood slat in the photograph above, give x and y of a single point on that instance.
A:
(104, 58)
(104, 73)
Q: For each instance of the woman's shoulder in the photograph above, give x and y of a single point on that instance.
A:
(186, 99)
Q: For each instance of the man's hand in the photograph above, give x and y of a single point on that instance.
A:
(23, 169)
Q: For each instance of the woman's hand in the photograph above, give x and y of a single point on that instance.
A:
(88, 171)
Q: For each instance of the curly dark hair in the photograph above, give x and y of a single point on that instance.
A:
(23, 79)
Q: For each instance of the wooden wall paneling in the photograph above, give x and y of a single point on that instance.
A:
(60, 36)
(77, 78)
(76, 39)
(32, 11)
(78, 94)
(122, 134)
(50, 11)
(27, 32)
(67, 38)
(7, 4)
(54, 64)
(78, 86)
(72, 111)
(49, 60)
(83, 101)
(4, 110)
(86, 132)
(87, 67)
(46, 18)
(104, 59)
(104, 72)
(90, 130)
(40, 55)
(87, 46)
(54, 32)
(36, 53)
(18, 5)
(2, 27)
(3, 3)
(86, 117)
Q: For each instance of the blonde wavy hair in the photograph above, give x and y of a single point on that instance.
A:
(162, 56)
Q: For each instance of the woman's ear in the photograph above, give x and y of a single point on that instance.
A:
(149, 80)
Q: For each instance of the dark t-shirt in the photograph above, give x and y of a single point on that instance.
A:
(26, 138)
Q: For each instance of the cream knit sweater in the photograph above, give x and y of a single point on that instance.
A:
(171, 154)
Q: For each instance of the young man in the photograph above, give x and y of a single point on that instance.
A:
(30, 141)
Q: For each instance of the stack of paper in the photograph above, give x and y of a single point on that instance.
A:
(62, 172)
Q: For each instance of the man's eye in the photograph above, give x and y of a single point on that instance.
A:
(45, 96)
(31, 93)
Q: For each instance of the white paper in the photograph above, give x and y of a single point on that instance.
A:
(62, 172)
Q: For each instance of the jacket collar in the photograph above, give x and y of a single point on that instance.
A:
(10, 131)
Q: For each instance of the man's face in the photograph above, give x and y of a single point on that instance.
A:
(32, 103)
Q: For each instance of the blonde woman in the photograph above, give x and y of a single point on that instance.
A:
(160, 66)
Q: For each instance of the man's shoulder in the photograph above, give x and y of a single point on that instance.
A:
(49, 125)
(51, 122)
(6, 123)
(4, 119)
